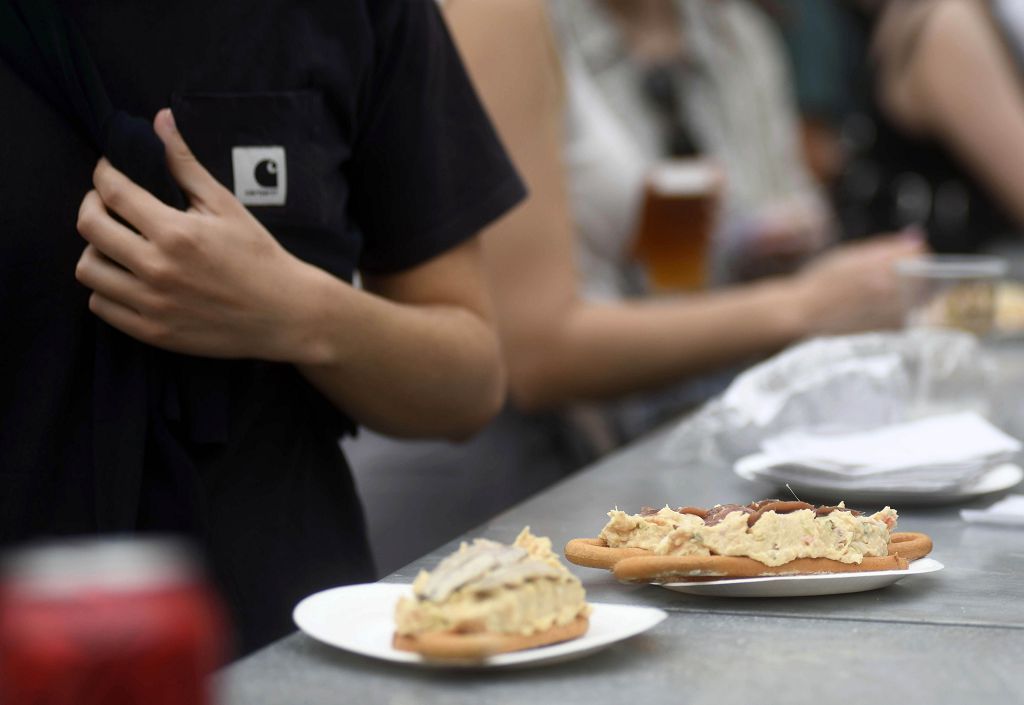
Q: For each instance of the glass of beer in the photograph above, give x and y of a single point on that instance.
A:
(673, 238)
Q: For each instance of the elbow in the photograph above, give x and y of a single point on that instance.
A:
(547, 373)
(536, 386)
(531, 400)
(487, 402)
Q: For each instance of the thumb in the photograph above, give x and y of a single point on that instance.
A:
(202, 189)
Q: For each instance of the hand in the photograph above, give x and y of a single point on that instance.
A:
(855, 287)
(209, 281)
(791, 230)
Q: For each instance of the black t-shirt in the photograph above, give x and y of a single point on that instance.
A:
(351, 131)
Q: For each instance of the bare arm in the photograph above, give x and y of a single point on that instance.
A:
(559, 348)
(960, 86)
(416, 354)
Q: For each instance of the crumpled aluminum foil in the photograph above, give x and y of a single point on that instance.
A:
(843, 383)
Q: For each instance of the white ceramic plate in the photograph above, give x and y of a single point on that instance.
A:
(360, 619)
(805, 585)
(999, 478)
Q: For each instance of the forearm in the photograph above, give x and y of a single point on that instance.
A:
(406, 370)
(608, 350)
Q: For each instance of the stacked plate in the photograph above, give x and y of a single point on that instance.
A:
(1008, 511)
(945, 456)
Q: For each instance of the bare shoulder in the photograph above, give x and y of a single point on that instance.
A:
(959, 33)
(508, 48)
(497, 14)
(924, 45)
(954, 21)
(496, 27)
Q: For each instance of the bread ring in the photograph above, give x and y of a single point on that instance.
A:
(595, 553)
(910, 544)
(645, 566)
(476, 646)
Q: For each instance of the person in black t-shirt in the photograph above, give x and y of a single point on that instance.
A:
(310, 141)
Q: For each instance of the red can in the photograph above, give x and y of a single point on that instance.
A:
(107, 622)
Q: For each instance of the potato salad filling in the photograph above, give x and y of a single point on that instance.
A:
(771, 537)
(493, 587)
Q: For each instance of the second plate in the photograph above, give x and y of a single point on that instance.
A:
(804, 585)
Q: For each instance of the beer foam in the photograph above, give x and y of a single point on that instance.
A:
(683, 177)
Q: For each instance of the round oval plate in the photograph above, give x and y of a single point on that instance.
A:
(360, 619)
(804, 585)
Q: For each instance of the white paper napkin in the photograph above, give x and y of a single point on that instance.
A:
(917, 479)
(1008, 511)
(933, 454)
(951, 440)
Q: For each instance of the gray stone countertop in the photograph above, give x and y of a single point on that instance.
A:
(950, 637)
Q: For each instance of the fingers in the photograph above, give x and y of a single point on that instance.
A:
(899, 248)
(141, 209)
(112, 282)
(884, 248)
(911, 240)
(204, 191)
(915, 233)
(124, 318)
(123, 301)
(110, 237)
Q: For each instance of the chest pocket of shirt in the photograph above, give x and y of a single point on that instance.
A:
(282, 155)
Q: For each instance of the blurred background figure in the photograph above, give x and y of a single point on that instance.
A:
(924, 100)
(595, 355)
(652, 79)
(640, 83)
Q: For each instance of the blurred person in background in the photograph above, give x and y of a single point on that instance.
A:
(947, 76)
(653, 79)
(571, 335)
(190, 369)
(925, 101)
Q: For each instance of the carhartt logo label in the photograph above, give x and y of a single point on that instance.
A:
(261, 175)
